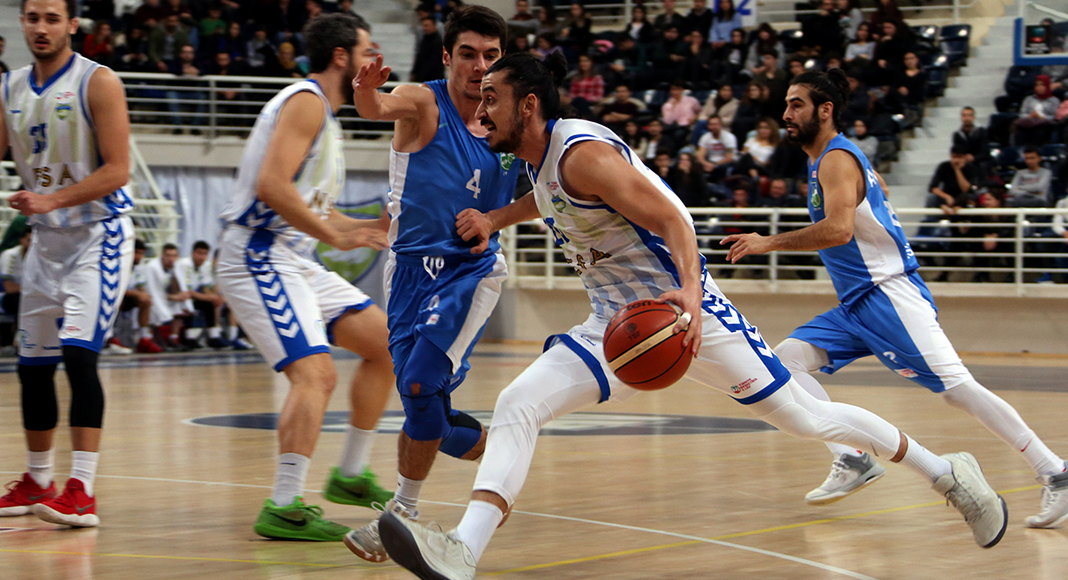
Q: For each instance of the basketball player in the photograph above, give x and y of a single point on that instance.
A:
(630, 238)
(65, 118)
(886, 309)
(440, 290)
(291, 306)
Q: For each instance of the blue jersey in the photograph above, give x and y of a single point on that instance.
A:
(429, 187)
(878, 249)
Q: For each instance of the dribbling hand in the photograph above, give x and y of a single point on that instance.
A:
(690, 303)
(472, 224)
(371, 76)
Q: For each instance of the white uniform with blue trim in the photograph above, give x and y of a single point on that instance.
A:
(79, 262)
(886, 309)
(620, 262)
(286, 300)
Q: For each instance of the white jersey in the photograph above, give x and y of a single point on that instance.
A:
(619, 261)
(320, 179)
(195, 279)
(53, 140)
(11, 265)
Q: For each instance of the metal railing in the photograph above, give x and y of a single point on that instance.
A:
(952, 249)
(217, 105)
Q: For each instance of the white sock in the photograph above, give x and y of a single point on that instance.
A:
(1042, 459)
(231, 332)
(146, 332)
(920, 459)
(83, 468)
(407, 491)
(40, 464)
(214, 332)
(355, 451)
(289, 478)
(479, 523)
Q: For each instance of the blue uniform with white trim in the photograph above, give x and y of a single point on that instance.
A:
(885, 308)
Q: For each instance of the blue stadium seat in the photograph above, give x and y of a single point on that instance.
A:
(998, 129)
(927, 32)
(937, 76)
(701, 96)
(956, 31)
(791, 40)
(955, 51)
(1053, 153)
(1009, 158)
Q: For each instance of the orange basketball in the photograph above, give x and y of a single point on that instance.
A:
(642, 348)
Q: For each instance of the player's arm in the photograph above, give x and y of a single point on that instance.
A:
(471, 223)
(404, 102)
(107, 104)
(596, 170)
(839, 176)
(344, 223)
(298, 124)
(882, 184)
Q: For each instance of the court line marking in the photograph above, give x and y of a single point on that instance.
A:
(691, 540)
(354, 567)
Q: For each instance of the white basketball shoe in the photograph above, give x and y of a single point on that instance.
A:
(366, 543)
(849, 474)
(430, 554)
(1054, 502)
(966, 488)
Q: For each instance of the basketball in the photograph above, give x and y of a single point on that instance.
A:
(642, 348)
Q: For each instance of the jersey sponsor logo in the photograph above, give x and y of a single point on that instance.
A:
(907, 373)
(63, 111)
(569, 425)
(507, 159)
(64, 95)
(743, 386)
(433, 319)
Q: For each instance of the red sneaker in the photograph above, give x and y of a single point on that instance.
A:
(147, 345)
(73, 508)
(23, 494)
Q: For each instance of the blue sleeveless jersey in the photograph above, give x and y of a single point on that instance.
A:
(429, 187)
(878, 249)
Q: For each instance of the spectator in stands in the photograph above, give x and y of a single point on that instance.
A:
(3, 67)
(724, 23)
(655, 142)
(849, 17)
(1030, 186)
(587, 86)
(890, 51)
(11, 277)
(697, 59)
(224, 66)
(669, 18)
(285, 64)
(312, 8)
(860, 101)
(186, 113)
(665, 56)
(1037, 114)
(522, 11)
(98, 44)
(953, 183)
(867, 144)
(151, 13)
(575, 37)
(196, 273)
(137, 296)
(181, 8)
(547, 23)
(757, 150)
(428, 65)
(213, 22)
(728, 67)
(170, 298)
(631, 134)
(995, 240)
(619, 108)
(258, 49)
(779, 195)
(885, 11)
(776, 82)
(821, 32)
(639, 28)
(688, 182)
(234, 44)
(973, 139)
(767, 40)
(753, 106)
(699, 18)
(1060, 231)
(722, 104)
(862, 50)
(545, 45)
(164, 46)
(794, 67)
(131, 51)
(680, 110)
(909, 92)
(787, 162)
(716, 149)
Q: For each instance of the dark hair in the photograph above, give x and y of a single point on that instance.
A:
(201, 245)
(826, 87)
(962, 109)
(477, 19)
(169, 246)
(774, 53)
(326, 32)
(139, 244)
(720, 16)
(529, 76)
(72, 9)
(795, 59)
(959, 150)
(1031, 149)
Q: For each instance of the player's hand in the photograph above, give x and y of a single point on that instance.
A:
(745, 244)
(471, 224)
(29, 203)
(371, 76)
(368, 237)
(690, 322)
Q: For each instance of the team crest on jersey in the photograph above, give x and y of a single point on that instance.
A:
(507, 159)
(816, 199)
(558, 203)
(63, 111)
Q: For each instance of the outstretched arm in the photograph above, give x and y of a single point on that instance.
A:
(403, 103)
(840, 177)
(471, 223)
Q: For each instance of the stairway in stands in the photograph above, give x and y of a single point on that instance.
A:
(976, 85)
(393, 28)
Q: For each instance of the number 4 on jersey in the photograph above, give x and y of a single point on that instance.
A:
(473, 183)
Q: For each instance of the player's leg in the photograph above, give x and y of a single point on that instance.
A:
(558, 383)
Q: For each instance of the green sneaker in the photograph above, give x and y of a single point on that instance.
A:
(297, 521)
(362, 490)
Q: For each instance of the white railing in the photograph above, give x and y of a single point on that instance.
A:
(949, 247)
(217, 105)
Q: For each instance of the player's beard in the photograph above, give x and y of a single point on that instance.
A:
(806, 132)
(511, 142)
(49, 53)
(346, 82)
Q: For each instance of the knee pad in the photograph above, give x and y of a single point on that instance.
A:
(86, 394)
(798, 355)
(462, 433)
(423, 386)
(40, 411)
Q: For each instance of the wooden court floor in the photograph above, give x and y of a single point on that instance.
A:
(652, 488)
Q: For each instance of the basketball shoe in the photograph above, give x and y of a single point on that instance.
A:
(849, 474)
(148, 346)
(428, 553)
(22, 495)
(966, 488)
(297, 521)
(1054, 502)
(73, 508)
(366, 543)
(362, 490)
